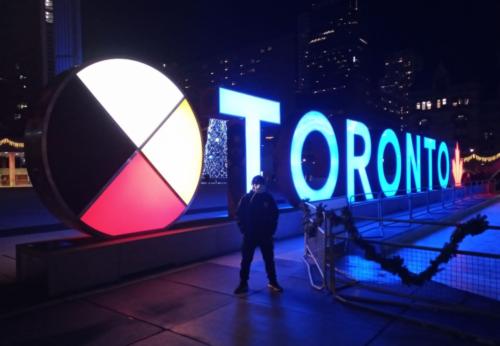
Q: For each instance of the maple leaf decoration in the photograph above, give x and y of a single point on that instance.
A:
(457, 165)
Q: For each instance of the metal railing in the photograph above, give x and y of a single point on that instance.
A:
(400, 201)
(470, 271)
(343, 267)
(322, 249)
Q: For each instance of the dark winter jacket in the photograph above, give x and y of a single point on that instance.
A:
(257, 215)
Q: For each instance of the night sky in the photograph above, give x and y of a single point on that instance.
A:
(172, 31)
(463, 35)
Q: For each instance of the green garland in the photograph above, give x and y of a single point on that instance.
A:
(311, 223)
(395, 264)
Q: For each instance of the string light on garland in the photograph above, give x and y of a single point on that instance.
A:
(485, 159)
(215, 160)
(11, 143)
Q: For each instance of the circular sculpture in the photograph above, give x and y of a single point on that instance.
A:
(115, 149)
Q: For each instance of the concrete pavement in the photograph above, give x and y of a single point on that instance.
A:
(194, 305)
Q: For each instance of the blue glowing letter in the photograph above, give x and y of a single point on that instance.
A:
(443, 149)
(254, 110)
(412, 165)
(358, 163)
(430, 145)
(313, 121)
(388, 137)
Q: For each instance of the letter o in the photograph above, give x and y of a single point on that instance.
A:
(443, 181)
(313, 121)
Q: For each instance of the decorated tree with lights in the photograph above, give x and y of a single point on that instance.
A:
(215, 159)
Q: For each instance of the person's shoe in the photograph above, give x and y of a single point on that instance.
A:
(242, 288)
(274, 287)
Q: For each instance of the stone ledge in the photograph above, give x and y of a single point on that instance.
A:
(60, 267)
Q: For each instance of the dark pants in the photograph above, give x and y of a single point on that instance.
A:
(266, 246)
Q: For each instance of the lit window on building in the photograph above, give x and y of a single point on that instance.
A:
(466, 102)
(49, 17)
(438, 104)
(488, 135)
(444, 102)
(429, 105)
(49, 5)
(424, 105)
(418, 105)
(455, 103)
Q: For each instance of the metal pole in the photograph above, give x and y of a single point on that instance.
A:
(379, 209)
(331, 256)
(410, 209)
(427, 201)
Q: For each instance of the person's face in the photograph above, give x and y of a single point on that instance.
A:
(258, 188)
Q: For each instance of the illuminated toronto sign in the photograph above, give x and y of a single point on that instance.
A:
(116, 149)
(409, 153)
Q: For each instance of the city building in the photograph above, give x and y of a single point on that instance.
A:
(333, 58)
(395, 85)
(458, 112)
(42, 39)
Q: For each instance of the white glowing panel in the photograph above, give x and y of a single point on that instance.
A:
(137, 96)
(176, 151)
(254, 110)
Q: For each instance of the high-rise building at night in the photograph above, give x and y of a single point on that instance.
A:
(454, 112)
(332, 54)
(395, 85)
(67, 34)
(267, 67)
(42, 39)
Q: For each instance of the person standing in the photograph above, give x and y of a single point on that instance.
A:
(257, 217)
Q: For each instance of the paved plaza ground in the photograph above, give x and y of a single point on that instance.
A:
(195, 305)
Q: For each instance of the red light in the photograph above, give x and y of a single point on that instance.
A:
(457, 164)
(136, 200)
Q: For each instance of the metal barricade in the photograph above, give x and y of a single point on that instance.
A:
(315, 247)
(322, 249)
